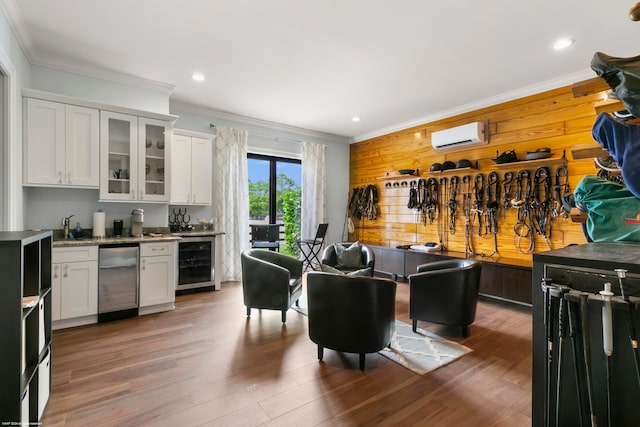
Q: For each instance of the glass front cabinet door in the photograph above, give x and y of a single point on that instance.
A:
(153, 136)
(133, 160)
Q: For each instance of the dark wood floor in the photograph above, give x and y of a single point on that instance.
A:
(207, 364)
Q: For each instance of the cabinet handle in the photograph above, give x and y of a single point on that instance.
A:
(157, 249)
(68, 177)
(55, 271)
(59, 177)
(66, 268)
(144, 264)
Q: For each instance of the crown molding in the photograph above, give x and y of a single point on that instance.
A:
(487, 102)
(177, 105)
(110, 76)
(16, 22)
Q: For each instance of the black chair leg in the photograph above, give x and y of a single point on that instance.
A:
(284, 316)
(248, 311)
(320, 352)
(415, 325)
(362, 356)
(465, 331)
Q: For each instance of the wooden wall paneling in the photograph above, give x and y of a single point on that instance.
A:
(554, 119)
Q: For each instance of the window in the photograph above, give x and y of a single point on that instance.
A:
(274, 195)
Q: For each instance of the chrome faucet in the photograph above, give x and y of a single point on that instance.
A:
(65, 224)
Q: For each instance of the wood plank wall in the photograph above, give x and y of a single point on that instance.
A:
(559, 119)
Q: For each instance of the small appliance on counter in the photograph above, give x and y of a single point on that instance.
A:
(137, 219)
(117, 227)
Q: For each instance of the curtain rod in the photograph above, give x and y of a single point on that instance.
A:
(277, 138)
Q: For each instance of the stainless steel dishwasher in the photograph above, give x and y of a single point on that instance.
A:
(117, 282)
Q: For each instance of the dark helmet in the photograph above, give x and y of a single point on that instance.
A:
(435, 167)
(448, 165)
(463, 164)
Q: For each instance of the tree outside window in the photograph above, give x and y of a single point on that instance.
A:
(275, 192)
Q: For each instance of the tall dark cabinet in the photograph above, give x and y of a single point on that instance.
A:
(25, 316)
(563, 394)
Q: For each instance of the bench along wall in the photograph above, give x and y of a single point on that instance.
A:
(560, 119)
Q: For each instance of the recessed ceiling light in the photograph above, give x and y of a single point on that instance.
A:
(355, 119)
(563, 43)
(199, 77)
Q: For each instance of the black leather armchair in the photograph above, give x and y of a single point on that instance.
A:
(445, 292)
(353, 314)
(270, 280)
(366, 253)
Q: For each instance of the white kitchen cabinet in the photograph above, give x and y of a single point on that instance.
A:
(133, 161)
(157, 273)
(74, 282)
(61, 145)
(192, 168)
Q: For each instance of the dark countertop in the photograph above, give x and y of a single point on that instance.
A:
(202, 233)
(90, 241)
(600, 255)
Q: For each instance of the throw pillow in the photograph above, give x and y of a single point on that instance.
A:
(348, 257)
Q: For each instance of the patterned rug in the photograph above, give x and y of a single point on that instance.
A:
(420, 351)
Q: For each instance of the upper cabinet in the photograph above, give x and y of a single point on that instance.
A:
(61, 145)
(192, 170)
(133, 161)
(72, 142)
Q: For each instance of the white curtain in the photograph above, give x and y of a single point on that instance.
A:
(314, 189)
(233, 200)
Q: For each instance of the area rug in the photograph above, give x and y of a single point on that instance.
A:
(420, 351)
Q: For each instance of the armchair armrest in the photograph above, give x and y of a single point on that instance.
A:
(289, 263)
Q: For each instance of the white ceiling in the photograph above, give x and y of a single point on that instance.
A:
(315, 64)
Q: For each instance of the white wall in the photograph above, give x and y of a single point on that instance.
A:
(99, 90)
(263, 140)
(12, 152)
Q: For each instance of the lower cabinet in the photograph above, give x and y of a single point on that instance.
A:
(157, 274)
(499, 279)
(74, 289)
(75, 283)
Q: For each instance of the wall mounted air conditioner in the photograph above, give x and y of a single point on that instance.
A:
(469, 134)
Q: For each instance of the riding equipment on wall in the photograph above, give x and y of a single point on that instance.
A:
(452, 204)
(493, 194)
(364, 202)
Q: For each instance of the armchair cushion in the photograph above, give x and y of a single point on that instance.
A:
(348, 257)
(361, 272)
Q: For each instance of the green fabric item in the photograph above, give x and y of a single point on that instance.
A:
(613, 212)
